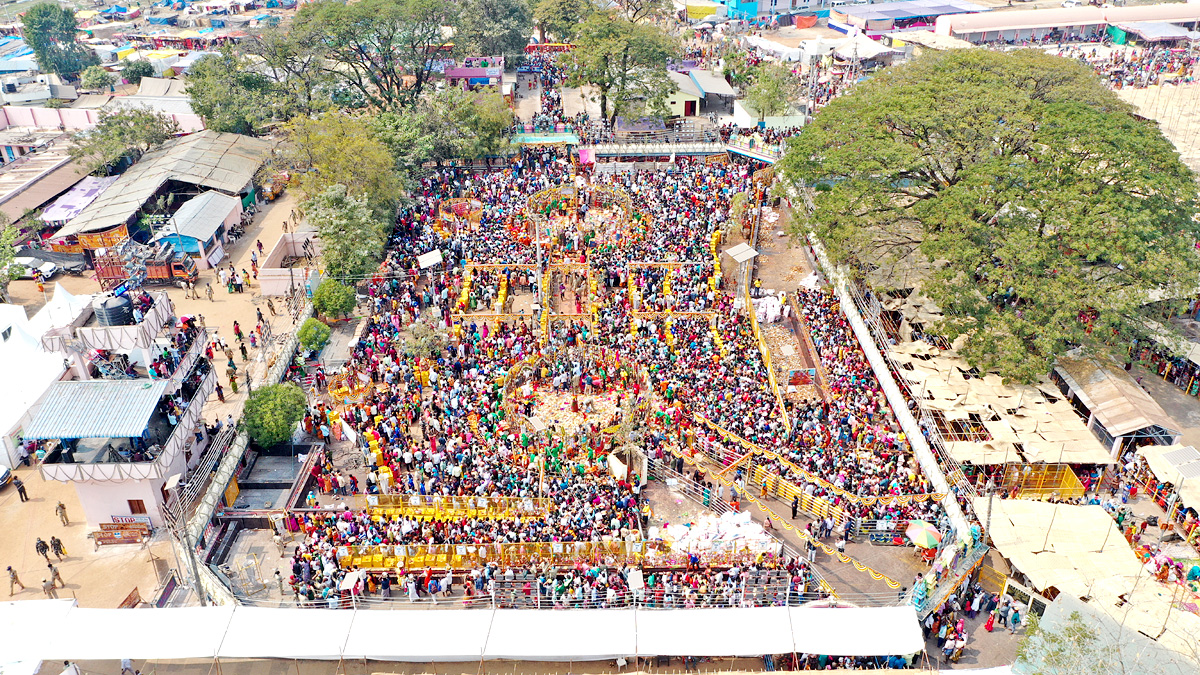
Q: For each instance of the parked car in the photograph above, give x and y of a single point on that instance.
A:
(1071, 3)
(30, 265)
(5, 476)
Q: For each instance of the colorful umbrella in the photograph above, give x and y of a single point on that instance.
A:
(923, 534)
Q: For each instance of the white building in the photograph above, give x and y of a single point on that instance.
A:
(118, 440)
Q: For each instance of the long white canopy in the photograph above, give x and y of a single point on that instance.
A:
(450, 635)
(418, 635)
(743, 632)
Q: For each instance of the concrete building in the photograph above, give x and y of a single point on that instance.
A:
(118, 439)
(1085, 21)
(685, 101)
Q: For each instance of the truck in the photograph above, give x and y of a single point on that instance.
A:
(143, 265)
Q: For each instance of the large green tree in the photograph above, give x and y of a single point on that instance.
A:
(9, 234)
(494, 27)
(50, 31)
(561, 19)
(626, 63)
(352, 236)
(292, 58)
(136, 70)
(231, 95)
(272, 412)
(637, 10)
(1043, 212)
(333, 299)
(445, 125)
(380, 49)
(337, 148)
(125, 133)
(773, 90)
(96, 78)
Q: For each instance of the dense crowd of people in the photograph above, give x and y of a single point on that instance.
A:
(1136, 68)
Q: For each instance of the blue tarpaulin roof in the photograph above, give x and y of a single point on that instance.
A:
(96, 409)
(115, 9)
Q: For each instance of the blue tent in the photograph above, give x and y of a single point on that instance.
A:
(115, 9)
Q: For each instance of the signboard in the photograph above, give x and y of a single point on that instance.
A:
(131, 601)
(217, 255)
(125, 527)
(119, 536)
(427, 260)
(145, 520)
(493, 72)
(231, 492)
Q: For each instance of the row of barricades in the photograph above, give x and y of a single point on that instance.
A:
(613, 552)
(437, 507)
(869, 500)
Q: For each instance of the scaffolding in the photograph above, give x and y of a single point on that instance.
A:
(1039, 481)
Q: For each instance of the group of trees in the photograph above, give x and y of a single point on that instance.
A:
(350, 88)
(1016, 191)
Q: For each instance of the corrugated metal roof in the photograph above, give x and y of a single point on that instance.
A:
(711, 84)
(224, 162)
(685, 84)
(96, 409)
(1114, 397)
(200, 216)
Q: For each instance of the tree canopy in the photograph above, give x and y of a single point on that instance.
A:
(131, 133)
(494, 27)
(333, 298)
(97, 78)
(337, 148)
(772, 91)
(445, 125)
(292, 58)
(231, 96)
(136, 70)
(1038, 212)
(562, 18)
(352, 236)
(380, 49)
(9, 235)
(50, 31)
(272, 412)
(626, 62)
(313, 335)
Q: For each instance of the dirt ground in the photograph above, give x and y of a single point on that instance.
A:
(1177, 110)
(95, 578)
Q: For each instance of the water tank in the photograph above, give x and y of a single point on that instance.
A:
(113, 310)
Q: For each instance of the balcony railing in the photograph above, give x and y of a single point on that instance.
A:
(187, 361)
(123, 338)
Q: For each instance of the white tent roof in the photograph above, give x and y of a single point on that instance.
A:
(201, 216)
(433, 636)
(25, 362)
(685, 84)
(104, 634)
(862, 47)
(587, 635)
(62, 309)
(856, 631)
(251, 633)
(711, 84)
(746, 631)
(461, 635)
